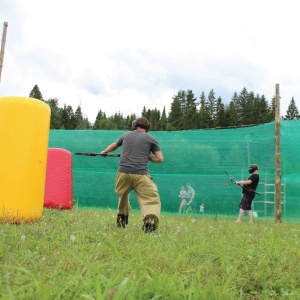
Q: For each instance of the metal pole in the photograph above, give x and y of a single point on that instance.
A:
(3, 46)
(278, 213)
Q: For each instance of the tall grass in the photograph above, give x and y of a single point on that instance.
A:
(80, 254)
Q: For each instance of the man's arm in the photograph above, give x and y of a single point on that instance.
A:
(157, 157)
(110, 148)
(244, 182)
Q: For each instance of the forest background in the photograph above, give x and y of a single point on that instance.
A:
(187, 112)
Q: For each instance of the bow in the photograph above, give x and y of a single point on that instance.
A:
(242, 186)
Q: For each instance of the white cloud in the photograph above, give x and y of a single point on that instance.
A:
(119, 56)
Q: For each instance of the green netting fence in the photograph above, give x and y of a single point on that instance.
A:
(198, 157)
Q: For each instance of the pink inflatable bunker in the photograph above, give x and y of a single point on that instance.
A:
(59, 186)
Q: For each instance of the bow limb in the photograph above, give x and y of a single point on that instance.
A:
(229, 176)
(242, 186)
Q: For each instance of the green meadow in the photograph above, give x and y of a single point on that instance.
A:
(80, 254)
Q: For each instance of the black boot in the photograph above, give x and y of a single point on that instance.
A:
(150, 223)
(149, 228)
(121, 220)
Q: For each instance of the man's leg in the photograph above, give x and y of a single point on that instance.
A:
(123, 211)
(250, 215)
(123, 188)
(241, 213)
(149, 201)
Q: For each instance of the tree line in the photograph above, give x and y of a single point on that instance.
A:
(186, 112)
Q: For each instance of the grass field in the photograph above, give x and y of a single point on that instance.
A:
(80, 254)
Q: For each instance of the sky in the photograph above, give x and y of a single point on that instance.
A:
(119, 56)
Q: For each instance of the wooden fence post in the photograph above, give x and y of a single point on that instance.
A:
(278, 213)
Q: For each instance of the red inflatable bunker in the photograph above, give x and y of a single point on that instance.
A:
(59, 185)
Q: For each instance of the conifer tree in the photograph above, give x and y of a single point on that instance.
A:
(190, 111)
(36, 93)
(68, 117)
(233, 110)
(56, 114)
(108, 124)
(220, 118)
(101, 115)
(203, 115)
(146, 113)
(292, 112)
(79, 118)
(261, 110)
(271, 110)
(129, 120)
(154, 119)
(211, 105)
(175, 115)
(242, 107)
(163, 121)
(119, 121)
(249, 117)
(86, 123)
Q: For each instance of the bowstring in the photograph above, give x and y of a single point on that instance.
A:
(232, 178)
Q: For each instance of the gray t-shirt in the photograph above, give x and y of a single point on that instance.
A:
(136, 149)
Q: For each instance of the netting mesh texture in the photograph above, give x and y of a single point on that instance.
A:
(198, 157)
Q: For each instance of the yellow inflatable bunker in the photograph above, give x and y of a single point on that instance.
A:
(24, 136)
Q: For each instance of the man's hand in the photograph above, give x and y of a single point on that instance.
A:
(157, 157)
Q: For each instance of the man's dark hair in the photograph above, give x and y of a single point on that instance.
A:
(142, 123)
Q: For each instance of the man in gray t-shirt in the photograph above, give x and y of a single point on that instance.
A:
(138, 147)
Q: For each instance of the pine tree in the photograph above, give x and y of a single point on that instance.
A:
(271, 110)
(175, 115)
(154, 119)
(261, 110)
(233, 110)
(203, 120)
(108, 124)
(79, 118)
(68, 117)
(86, 123)
(119, 121)
(226, 116)
(242, 107)
(101, 115)
(220, 120)
(146, 113)
(211, 105)
(190, 111)
(56, 114)
(292, 112)
(36, 93)
(163, 121)
(249, 117)
(129, 120)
